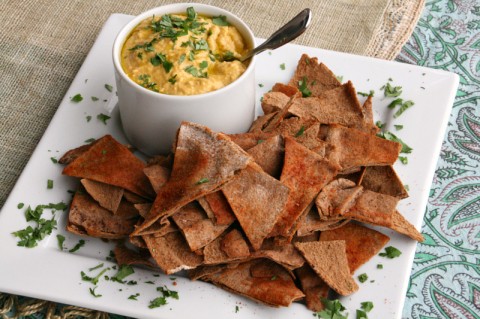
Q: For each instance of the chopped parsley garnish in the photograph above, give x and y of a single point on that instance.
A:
(77, 246)
(54, 160)
(282, 66)
(134, 297)
(60, 241)
(379, 266)
(260, 85)
(157, 302)
(150, 282)
(182, 58)
(161, 59)
(405, 106)
(228, 56)
(145, 82)
(360, 314)
(391, 252)
(49, 184)
(300, 131)
(93, 280)
(96, 267)
(20, 205)
(89, 118)
(92, 292)
(407, 188)
(147, 46)
(392, 137)
(363, 277)
(403, 159)
(202, 181)
(367, 306)
(391, 91)
(30, 236)
(339, 78)
(371, 93)
(395, 102)
(90, 140)
(379, 124)
(103, 118)
(203, 65)
(140, 55)
(77, 98)
(173, 79)
(94, 98)
(274, 277)
(109, 87)
(260, 141)
(201, 45)
(236, 309)
(303, 87)
(173, 278)
(123, 272)
(333, 309)
(221, 20)
(398, 127)
(167, 292)
(195, 72)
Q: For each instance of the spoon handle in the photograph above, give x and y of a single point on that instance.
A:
(285, 34)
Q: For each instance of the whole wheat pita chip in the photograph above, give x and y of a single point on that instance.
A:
(316, 75)
(257, 200)
(72, 154)
(314, 288)
(288, 90)
(203, 161)
(107, 196)
(269, 155)
(273, 102)
(248, 140)
(280, 115)
(336, 198)
(336, 106)
(305, 173)
(230, 247)
(260, 122)
(197, 228)
(361, 243)
(367, 109)
(311, 223)
(276, 288)
(172, 253)
(126, 256)
(285, 254)
(157, 175)
(329, 260)
(112, 163)
(354, 148)
(202, 271)
(134, 198)
(220, 209)
(384, 179)
(373, 208)
(89, 217)
(403, 226)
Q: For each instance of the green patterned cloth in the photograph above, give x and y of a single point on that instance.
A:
(445, 279)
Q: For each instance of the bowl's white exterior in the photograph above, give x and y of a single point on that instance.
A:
(150, 120)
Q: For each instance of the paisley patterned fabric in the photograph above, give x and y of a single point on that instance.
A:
(445, 279)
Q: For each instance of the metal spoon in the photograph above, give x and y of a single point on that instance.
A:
(285, 34)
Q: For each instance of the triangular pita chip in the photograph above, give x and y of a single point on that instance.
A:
(257, 200)
(361, 243)
(384, 179)
(260, 122)
(269, 155)
(273, 102)
(305, 173)
(311, 223)
(316, 75)
(112, 163)
(172, 253)
(219, 207)
(314, 288)
(329, 260)
(403, 226)
(203, 161)
(275, 288)
(248, 140)
(197, 228)
(126, 256)
(88, 216)
(226, 249)
(285, 255)
(157, 175)
(336, 198)
(108, 196)
(373, 208)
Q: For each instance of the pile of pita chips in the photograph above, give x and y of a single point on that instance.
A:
(277, 214)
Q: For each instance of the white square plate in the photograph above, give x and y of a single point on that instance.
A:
(49, 273)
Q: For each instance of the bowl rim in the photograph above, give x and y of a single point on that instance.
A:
(122, 35)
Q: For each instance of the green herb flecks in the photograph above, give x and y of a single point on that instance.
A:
(157, 302)
(167, 292)
(123, 272)
(92, 292)
(182, 58)
(90, 140)
(371, 93)
(30, 236)
(391, 91)
(88, 118)
(49, 184)
(93, 280)
(96, 267)
(260, 85)
(395, 102)
(161, 59)
(195, 72)
(391, 252)
(405, 106)
(363, 277)
(333, 309)
(202, 181)
(392, 137)
(221, 20)
(300, 131)
(339, 78)
(108, 87)
(303, 87)
(367, 306)
(379, 266)
(54, 160)
(77, 98)
(20, 205)
(77, 246)
(60, 241)
(134, 297)
(282, 66)
(173, 79)
(403, 160)
(147, 46)
(398, 127)
(94, 98)
(103, 118)
(236, 309)
(150, 282)
(144, 80)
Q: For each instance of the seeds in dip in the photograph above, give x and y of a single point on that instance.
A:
(184, 54)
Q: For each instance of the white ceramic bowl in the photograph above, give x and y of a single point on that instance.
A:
(150, 120)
